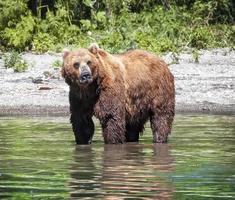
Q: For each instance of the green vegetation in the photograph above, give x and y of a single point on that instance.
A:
(15, 61)
(158, 26)
(57, 64)
(196, 56)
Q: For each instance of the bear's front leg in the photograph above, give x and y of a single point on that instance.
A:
(110, 110)
(83, 129)
(81, 120)
(113, 130)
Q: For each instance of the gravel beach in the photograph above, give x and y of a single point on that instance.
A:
(203, 86)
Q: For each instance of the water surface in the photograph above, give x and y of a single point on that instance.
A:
(38, 160)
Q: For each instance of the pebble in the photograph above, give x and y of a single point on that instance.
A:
(37, 80)
(45, 87)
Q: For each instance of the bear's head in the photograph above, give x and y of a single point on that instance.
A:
(80, 67)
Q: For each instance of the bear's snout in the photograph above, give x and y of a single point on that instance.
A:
(85, 77)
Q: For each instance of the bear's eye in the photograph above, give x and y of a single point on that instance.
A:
(76, 65)
(88, 62)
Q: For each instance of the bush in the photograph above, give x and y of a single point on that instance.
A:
(119, 25)
(57, 64)
(21, 35)
(15, 61)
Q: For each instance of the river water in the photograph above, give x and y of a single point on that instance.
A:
(39, 160)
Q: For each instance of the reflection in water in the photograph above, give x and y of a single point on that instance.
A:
(122, 171)
(39, 160)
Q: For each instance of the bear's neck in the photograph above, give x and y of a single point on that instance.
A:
(88, 93)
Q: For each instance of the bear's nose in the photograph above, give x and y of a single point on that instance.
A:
(85, 76)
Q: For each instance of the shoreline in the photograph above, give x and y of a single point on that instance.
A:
(60, 111)
(205, 85)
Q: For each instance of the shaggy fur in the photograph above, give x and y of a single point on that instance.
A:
(126, 90)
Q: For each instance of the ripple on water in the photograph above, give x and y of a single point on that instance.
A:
(38, 159)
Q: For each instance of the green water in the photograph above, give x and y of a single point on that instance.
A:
(39, 160)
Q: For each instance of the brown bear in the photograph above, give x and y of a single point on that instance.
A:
(123, 91)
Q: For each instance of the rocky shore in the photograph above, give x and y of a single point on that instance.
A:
(205, 83)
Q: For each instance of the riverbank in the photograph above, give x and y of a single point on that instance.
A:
(205, 83)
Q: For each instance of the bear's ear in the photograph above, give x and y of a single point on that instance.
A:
(65, 53)
(93, 48)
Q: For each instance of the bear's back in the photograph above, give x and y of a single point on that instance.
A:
(143, 68)
(146, 77)
(142, 64)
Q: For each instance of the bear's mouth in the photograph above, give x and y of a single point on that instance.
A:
(85, 81)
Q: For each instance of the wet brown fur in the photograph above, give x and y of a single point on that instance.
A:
(127, 90)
